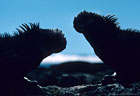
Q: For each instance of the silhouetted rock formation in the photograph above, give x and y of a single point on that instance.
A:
(70, 74)
(116, 47)
(82, 84)
(24, 50)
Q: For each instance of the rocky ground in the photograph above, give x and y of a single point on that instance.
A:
(76, 79)
(114, 89)
(70, 74)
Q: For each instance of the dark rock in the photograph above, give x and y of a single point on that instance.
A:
(109, 79)
(22, 88)
(105, 87)
(60, 76)
(92, 90)
(80, 66)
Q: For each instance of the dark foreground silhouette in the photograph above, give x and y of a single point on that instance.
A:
(70, 74)
(23, 51)
(80, 79)
(119, 48)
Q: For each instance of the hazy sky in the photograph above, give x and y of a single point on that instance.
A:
(60, 14)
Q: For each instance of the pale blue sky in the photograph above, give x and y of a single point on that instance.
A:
(60, 14)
